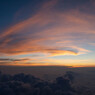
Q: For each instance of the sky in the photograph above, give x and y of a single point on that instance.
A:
(47, 33)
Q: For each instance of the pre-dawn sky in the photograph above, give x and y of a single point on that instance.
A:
(47, 32)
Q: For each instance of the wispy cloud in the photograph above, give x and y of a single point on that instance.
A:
(93, 44)
(51, 32)
(12, 60)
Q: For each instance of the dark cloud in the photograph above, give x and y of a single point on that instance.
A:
(70, 75)
(8, 59)
(22, 84)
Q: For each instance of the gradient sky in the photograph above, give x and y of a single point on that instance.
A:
(47, 32)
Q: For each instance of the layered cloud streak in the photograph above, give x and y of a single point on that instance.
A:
(51, 32)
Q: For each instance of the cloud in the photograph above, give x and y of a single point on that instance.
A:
(50, 31)
(12, 60)
(55, 52)
(93, 44)
(8, 84)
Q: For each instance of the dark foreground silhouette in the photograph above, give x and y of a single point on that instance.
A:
(21, 84)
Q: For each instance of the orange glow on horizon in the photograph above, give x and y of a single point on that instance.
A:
(47, 64)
